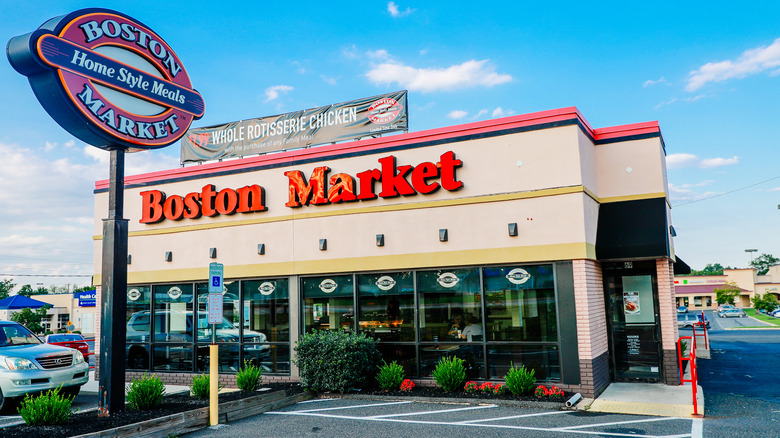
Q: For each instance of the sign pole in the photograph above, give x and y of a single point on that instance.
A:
(114, 292)
(215, 309)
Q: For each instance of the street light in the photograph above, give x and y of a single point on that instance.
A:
(751, 251)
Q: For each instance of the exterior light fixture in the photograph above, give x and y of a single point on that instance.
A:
(261, 248)
(212, 253)
(323, 244)
(380, 240)
(672, 231)
(129, 259)
(168, 256)
(443, 235)
(513, 229)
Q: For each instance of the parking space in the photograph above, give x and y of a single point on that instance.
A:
(369, 418)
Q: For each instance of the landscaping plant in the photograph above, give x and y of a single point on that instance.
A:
(407, 385)
(46, 409)
(248, 378)
(520, 380)
(145, 393)
(554, 392)
(335, 360)
(390, 376)
(450, 373)
(201, 385)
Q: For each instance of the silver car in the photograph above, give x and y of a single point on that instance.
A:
(28, 365)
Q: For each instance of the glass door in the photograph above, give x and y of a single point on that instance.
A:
(634, 325)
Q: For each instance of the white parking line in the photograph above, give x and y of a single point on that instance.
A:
(697, 428)
(511, 418)
(408, 414)
(494, 426)
(648, 420)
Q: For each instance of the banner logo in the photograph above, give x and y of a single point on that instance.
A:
(518, 276)
(108, 80)
(385, 282)
(266, 288)
(133, 294)
(384, 111)
(448, 279)
(328, 285)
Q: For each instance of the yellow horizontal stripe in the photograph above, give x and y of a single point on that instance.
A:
(520, 254)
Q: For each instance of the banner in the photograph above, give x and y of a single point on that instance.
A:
(327, 124)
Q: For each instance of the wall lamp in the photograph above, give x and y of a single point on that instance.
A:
(380, 240)
(129, 259)
(323, 244)
(261, 248)
(513, 229)
(672, 231)
(168, 256)
(212, 253)
(443, 235)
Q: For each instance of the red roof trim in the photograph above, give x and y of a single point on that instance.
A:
(524, 120)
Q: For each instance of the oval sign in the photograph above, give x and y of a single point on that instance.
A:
(133, 294)
(448, 279)
(327, 285)
(174, 292)
(518, 276)
(266, 288)
(385, 282)
(108, 79)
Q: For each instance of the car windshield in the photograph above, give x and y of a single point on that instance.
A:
(64, 338)
(15, 334)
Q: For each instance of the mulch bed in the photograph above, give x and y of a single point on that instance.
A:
(88, 422)
(438, 392)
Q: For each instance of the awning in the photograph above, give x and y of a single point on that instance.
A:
(633, 229)
(681, 268)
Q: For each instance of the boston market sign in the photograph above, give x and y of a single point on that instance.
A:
(108, 80)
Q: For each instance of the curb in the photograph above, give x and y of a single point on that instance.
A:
(549, 406)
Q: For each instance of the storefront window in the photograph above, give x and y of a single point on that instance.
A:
(328, 303)
(387, 306)
(448, 298)
(542, 359)
(172, 324)
(139, 301)
(266, 311)
(520, 303)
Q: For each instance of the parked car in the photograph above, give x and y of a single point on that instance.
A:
(725, 306)
(776, 313)
(28, 365)
(732, 313)
(682, 309)
(687, 320)
(70, 340)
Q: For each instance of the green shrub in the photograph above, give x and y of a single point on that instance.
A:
(520, 380)
(390, 376)
(145, 393)
(450, 373)
(48, 408)
(248, 378)
(201, 385)
(335, 360)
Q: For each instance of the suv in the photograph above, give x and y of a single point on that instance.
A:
(687, 320)
(178, 329)
(28, 365)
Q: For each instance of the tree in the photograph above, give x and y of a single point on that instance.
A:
(727, 294)
(6, 286)
(766, 302)
(41, 291)
(710, 269)
(31, 318)
(26, 290)
(83, 288)
(763, 262)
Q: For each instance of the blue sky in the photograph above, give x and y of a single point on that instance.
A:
(708, 72)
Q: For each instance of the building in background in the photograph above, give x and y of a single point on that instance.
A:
(698, 292)
(552, 237)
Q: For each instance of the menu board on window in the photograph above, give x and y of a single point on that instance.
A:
(638, 305)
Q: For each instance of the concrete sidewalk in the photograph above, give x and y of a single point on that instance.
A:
(91, 387)
(647, 399)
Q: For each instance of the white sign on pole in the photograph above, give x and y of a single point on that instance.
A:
(215, 308)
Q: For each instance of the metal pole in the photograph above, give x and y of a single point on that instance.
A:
(113, 293)
(213, 378)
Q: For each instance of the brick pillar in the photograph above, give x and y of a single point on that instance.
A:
(668, 311)
(593, 344)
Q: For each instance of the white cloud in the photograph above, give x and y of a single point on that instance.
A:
(329, 80)
(457, 114)
(686, 194)
(392, 8)
(650, 82)
(480, 113)
(466, 75)
(499, 112)
(272, 93)
(750, 62)
(380, 54)
(718, 162)
(679, 161)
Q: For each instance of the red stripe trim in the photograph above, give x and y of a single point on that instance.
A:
(524, 120)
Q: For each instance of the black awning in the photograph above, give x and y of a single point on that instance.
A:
(632, 229)
(680, 267)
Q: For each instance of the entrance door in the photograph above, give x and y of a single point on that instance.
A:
(633, 322)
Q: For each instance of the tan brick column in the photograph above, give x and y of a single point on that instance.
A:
(593, 345)
(667, 309)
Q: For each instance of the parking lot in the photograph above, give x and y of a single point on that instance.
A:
(399, 418)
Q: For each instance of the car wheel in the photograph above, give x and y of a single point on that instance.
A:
(5, 404)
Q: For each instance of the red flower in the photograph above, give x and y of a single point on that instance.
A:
(407, 385)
